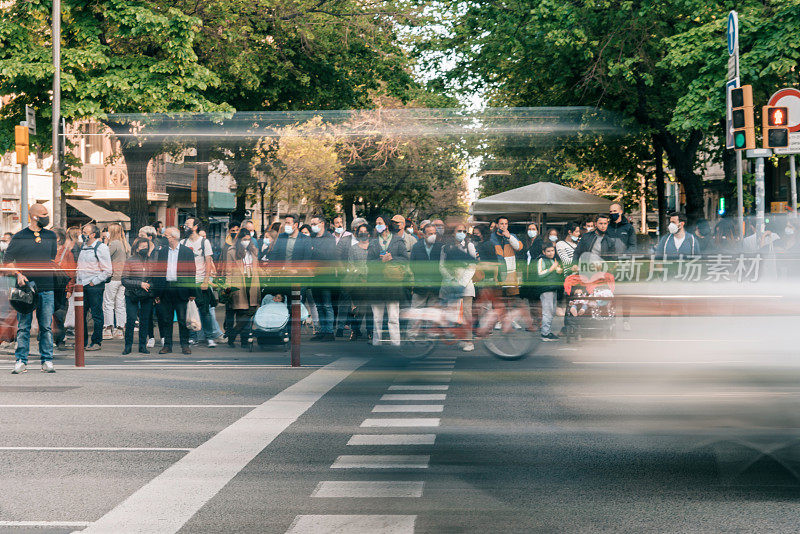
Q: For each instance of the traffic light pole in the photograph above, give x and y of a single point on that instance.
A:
(793, 182)
(759, 154)
(739, 193)
(24, 194)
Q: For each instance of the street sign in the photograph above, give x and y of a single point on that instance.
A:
(732, 84)
(733, 33)
(30, 120)
(789, 98)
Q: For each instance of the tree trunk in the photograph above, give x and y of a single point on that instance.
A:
(137, 159)
(682, 158)
(661, 198)
(203, 157)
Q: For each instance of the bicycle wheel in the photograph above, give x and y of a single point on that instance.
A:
(512, 345)
(418, 341)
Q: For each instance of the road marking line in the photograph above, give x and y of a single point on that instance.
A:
(639, 362)
(45, 523)
(414, 396)
(168, 501)
(336, 489)
(353, 524)
(160, 367)
(421, 387)
(392, 439)
(129, 405)
(382, 461)
(397, 408)
(423, 378)
(410, 422)
(101, 449)
(437, 368)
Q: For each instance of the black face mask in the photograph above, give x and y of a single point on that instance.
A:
(142, 253)
(363, 237)
(394, 227)
(43, 221)
(614, 217)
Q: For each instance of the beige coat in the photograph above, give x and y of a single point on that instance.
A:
(234, 277)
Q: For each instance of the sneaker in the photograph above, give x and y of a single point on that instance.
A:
(143, 350)
(126, 351)
(162, 341)
(92, 347)
(151, 342)
(549, 337)
(186, 350)
(211, 343)
(19, 368)
(192, 342)
(319, 336)
(165, 350)
(108, 332)
(119, 333)
(468, 347)
(47, 367)
(626, 326)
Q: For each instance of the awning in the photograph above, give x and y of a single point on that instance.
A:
(99, 214)
(540, 197)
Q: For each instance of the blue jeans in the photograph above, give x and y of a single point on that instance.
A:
(548, 301)
(324, 303)
(45, 305)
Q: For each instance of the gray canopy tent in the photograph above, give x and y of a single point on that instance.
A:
(539, 202)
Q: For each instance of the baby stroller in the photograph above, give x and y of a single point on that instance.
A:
(590, 306)
(271, 321)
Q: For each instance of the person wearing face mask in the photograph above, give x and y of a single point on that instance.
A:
(506, 248)
(324, 256)
(30, 255)
(388, 266)
(398, 225)
(620, 229)
(439, 225)
(457, 265)
(531, 245)
(291, 250)
(93, 272)
(174, 276)
(678, 242)
(5, 239)
(425, 256)
(64, 282)
(356, 278)
(138, 284)
(244, 274)
(565, 249)
(339, 230)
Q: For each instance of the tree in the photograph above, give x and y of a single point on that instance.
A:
(661, 65)
(118, 57)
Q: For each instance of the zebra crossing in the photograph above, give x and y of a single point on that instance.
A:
(420, 390)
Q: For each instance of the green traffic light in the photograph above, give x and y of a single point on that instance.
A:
(739, 139)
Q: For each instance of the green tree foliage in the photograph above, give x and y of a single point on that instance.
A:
(660, 64)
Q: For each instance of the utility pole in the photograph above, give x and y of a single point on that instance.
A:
(59, 215)
(22, 145)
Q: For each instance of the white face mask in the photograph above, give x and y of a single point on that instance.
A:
(789, 230)
(314, 229)
(673, 228)
(289, 228)
(574, 238)
(339, 230)
(380, 228)
(3, 245)
(553, 238)
(532, 234)
(461, 236)
(246, 244)
(431, 239)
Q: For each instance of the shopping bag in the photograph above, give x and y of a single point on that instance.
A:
(193, 317)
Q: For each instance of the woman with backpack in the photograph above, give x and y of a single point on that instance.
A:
(114, 294)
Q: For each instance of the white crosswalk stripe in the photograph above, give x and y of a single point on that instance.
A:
(416, 408)
(368, 488)
(353, 524)
(392, 439)
(382, 461)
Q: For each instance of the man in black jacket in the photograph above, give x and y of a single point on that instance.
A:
(598, 242)
(621, 229)
(425, 255)
(174, 287)
(324, 256)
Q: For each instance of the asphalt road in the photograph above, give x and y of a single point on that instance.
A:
(680, 425)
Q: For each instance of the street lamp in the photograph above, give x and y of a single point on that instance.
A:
(262, 186)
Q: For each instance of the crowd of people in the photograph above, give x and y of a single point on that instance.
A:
(355, 281)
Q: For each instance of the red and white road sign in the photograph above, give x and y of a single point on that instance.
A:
(790, 99)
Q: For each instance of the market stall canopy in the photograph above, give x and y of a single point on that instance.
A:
(541, 197)
(99, 214)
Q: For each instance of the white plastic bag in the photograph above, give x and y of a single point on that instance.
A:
(193, 317)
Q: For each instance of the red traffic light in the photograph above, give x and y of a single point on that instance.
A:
(777, 116)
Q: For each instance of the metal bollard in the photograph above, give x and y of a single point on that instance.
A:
(77, 293)
(295, 317)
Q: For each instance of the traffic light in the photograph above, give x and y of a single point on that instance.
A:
(744, 132)
(22, 144)
(774, 126)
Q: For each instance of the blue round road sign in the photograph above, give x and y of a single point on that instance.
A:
(733, 32)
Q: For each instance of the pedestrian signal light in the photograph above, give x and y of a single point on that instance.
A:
(744, 132)
(721, 209)
(774, 126)
(22, 144)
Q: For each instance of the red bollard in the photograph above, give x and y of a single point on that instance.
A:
(295, 318)
(77, 293)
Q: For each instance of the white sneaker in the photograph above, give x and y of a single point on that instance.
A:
(468, 347)
(19, 368)
(212, 343)
(47, 367)
(119, 333)
(162, 341)
(151, 342)
(108, 333)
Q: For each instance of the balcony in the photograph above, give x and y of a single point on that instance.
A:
(172, 175)
(103, 177)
